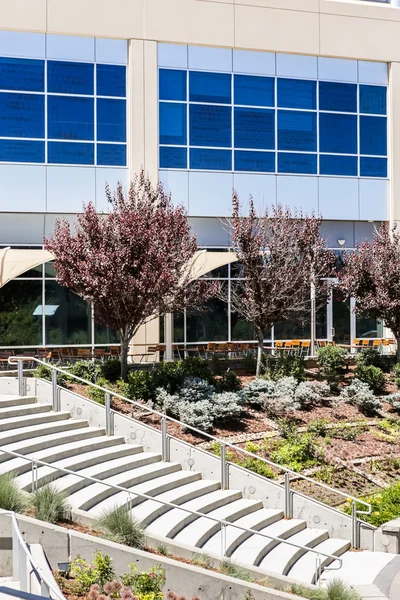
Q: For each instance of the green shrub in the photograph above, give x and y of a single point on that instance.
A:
(369, 357)
(312, 393)
(120, 526)
(43, 372)
(255, 391)
(49, 504)
(319, 427)
(331, 360)
(287, 428)
(228, 382)
(385, 506)
(227, 567)
(396, 373)
(296, 453)
(145, 582)
(360, 394)
(86, 574)
(284, 364)
(195, 366)
(373, 376)
(11, 497)
(138, 386)
(111, 369)
(85, 369)
(98, 395)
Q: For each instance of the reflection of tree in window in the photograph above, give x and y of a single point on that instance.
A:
(71, 322)
(19, 325)
(210, 325)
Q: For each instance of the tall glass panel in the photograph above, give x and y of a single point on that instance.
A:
(68, 317)
(210, 325)
(21, 313)
(368, 328)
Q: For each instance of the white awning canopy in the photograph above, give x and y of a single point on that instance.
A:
(203, 262)
(15, 262)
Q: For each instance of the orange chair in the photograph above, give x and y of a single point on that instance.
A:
(305, 348)
(296, 346)
(365, 343)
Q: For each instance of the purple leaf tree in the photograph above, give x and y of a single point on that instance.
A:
(131, 264)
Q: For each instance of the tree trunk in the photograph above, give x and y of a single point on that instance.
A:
(124, 356)
(260, 350)
(398, 349)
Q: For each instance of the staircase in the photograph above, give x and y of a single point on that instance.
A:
(32, 429)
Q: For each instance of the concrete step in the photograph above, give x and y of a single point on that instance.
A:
(201, 530)
(150, 510)
(54, 453)
(256, 547)
(234, 537)
(22, 411)
(91, 495)
(41, 419)
(150, 488)
(10, 400)
(103, 457)
(282, 558)
(25, 434)
(305, 569)
(171, 523)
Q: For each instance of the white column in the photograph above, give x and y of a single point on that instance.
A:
(168, 336)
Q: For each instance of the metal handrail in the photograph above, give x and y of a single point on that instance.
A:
(222, 523)
(223, 444)
(21, 552)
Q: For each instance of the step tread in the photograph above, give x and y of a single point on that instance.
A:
(283, 556)
(10, 400)
(17, 423)
(305, 568)
(23, 410)
(25, 434)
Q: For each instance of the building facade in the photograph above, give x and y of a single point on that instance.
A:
(291, 102)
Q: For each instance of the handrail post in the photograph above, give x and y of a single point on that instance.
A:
(223, 538)
(288, 497)
(224, 472)
(23, 569)
(318, 570)
(108, 413)
(354, 525)
(54, 389)
(21, 383)
(164, 440)
(15, 551)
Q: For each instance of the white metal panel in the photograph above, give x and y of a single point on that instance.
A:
(173, 55)
(176, 183)
(256, 63)
(374, 200)
(68, 188)
(210, 194)
(372, 72)
(298, 193)
(17, 228)
(111, 51)
(295, 65)
(209, 59)
(18, 43)
(338, 198)
(210, 231)
(22, 188)
(261, 187)
(337, 69)
(112, 177)
(50, 222)
(69, 47)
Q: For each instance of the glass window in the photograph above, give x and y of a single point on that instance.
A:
(111, 120)
(254, 128)
(218, 160)
(254, 91)
(22, 74)
(70, 118)
(211, 325)
(210, 87)
(373, 136)
(373, 99)
(69, 319)
(373, 167)
(338, 165)
(70, 153)
(297, 163)
(338, 97)
(21, 151)
(241, 330)
(179, 328)
(338, 133)
(369, 328)
(290, 330)
(111, 154)
(173, 158)
(21, 115)
(70, 77)
(21, 313)
(297, 130)
(104, 335)
(172, 84)
(210, 125)
(254, 161)
(297, 93)
(172, 123)
(111, 80)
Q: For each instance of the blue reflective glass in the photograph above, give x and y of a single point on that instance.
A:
(338, 133)
(297, 93)
(373, 135)
(373, 167)
(260, 162)
(341, 97)
(254, 91)
(172, 84)
(70, 77)
(210, 125)
(111, 154)
(173, 158)
(22, 74)
(217, 160)
(111, 80)
(21, 151)
(254, 128)
(172, 123)
(297, 130)
(338, 165)
(297, 163)
(111, 120)
(70, 118)
(21, 115)
(210, 87)
(70, 153)
(373, 99)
